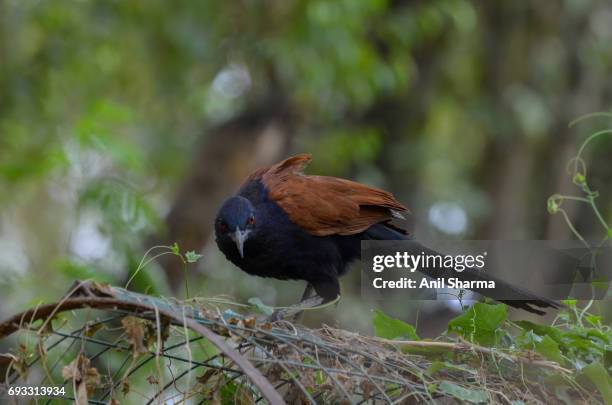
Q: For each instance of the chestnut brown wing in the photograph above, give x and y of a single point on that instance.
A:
(324, 205)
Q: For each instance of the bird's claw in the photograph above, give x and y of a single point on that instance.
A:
(296, 309)
(277, 315)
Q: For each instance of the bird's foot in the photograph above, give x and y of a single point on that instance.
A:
(295, 310)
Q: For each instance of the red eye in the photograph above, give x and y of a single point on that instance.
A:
(222, 226)
(251, 221)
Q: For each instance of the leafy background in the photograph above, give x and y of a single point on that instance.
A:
(124, 124)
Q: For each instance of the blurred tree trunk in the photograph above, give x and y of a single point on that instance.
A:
(521, 173)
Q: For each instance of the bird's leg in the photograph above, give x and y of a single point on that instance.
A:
(307, 292)
(305, 295)
(296, 309)
(325, 292)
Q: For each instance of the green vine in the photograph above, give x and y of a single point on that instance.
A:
(577, 169)
(186, 258)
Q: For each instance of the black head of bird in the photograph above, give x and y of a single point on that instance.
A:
(236, 222)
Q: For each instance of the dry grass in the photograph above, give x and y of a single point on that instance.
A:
(114, 345)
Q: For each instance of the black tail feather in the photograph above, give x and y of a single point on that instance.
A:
(521, 299)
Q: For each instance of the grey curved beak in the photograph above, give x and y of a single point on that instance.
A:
(240, 237)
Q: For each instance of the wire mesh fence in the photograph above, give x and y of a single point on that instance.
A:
(106, 345)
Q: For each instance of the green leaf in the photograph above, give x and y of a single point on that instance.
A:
(571, 303)
(175, 249)
(481, 323)
(598, 375)
(596, 335)
(541, 330)
(192, 256)
(548, 348)
(391, 328)
(464, 394)
(258, 305)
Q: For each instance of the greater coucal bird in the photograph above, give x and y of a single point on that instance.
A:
(287, 225)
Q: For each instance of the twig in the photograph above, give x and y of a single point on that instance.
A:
(468, 347)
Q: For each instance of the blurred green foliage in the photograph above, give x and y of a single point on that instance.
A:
(461, 102)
